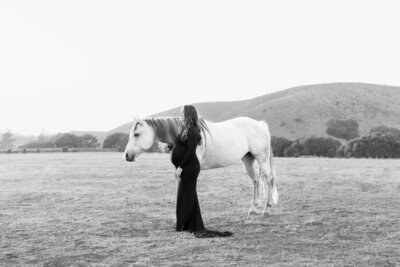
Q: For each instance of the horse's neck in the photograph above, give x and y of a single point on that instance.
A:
(164, 136)
(167, 140)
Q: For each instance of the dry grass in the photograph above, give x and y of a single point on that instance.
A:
(95, 209)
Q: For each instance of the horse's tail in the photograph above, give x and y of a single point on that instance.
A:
(271, 164)
(274, 190)
(204, 128)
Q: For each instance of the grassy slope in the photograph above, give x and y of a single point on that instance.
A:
(303, 111)
(94, 208)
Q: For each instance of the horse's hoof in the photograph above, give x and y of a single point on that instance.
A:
(251, 212)
(266, 212)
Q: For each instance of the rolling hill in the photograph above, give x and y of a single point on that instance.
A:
(19, 139)
(304, 111)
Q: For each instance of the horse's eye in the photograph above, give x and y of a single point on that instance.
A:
(136, 135)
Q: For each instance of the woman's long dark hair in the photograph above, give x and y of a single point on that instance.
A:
(190, 119)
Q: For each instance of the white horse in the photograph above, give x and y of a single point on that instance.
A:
(225, 143)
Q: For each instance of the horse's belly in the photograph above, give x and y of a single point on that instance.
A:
(217, 157)
(226, 146)
(215, 164)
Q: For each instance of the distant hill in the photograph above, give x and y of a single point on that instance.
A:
(304, 111)
(19, 139)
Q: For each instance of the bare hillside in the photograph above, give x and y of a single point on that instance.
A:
(303, 111)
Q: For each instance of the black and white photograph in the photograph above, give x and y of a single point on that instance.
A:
(199, 133)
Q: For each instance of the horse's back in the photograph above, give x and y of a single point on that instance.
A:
(256, 132)
(252, 130)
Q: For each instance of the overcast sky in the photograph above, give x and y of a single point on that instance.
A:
(93, 65)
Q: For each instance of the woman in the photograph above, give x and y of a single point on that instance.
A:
(183, 156)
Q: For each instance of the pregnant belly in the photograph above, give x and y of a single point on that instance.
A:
(177, 154)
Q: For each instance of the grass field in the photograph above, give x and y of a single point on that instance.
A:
(81, 209)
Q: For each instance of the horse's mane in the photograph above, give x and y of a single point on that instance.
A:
(168, 128)
(165, 128)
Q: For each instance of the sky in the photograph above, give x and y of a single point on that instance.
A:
(94, 65)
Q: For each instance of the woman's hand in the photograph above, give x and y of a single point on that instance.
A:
(178, 174)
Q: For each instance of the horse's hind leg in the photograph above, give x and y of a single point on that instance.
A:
(268, 174)
(248, 161)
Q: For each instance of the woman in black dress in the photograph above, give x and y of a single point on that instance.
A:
(183, 156)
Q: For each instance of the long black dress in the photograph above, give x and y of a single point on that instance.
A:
(188, 215)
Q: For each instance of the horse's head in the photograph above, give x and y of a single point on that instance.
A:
(141, 138)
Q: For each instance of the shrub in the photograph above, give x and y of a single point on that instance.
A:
(116, 141)
(379, 129)
(67, 140)
(376, 145)
(296, 149)
(312, 146)
(345, 129)
(321, 147)
(37, 144)
(279, 144)
(88, 140)
(384, 129)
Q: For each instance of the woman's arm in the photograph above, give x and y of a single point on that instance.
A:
(193, 140)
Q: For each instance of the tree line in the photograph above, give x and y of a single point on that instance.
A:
(63, 140)
(381, 142)
(114, 141)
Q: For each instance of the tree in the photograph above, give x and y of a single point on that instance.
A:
(296, 149)
(7, 141)
(43, 140)
(116, 141)
(67, 140)
(384, 129)
(36, 144)
(321, 147)
(312, 146)
(88, 140)
(122, 142)
(376, 145)
(345, 129)
(42, 137)
(279, 144)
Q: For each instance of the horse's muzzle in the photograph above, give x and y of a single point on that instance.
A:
(130, 159)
